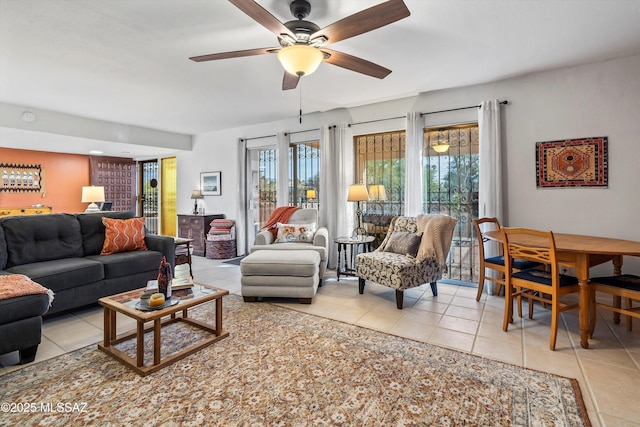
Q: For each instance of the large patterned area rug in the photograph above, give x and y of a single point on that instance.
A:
(280, 367)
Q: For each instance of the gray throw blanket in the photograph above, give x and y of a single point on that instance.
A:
(436, 240)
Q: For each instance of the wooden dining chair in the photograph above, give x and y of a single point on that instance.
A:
(625, 286)
(546, 286)
(482, 226)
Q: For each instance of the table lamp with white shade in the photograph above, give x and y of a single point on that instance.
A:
(92, 194)
(358, 193)
(377, 192)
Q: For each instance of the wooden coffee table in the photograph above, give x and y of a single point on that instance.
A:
(125, 303)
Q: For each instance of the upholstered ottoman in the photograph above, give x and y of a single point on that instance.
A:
(293, 274)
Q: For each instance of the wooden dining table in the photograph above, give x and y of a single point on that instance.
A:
(582, 252)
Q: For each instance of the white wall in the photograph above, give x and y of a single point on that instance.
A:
(593, 100)
(601, 99)
(72, 132)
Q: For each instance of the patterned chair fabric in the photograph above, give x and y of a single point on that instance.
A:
(399, 271)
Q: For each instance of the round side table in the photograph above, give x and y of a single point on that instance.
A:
(348, 248)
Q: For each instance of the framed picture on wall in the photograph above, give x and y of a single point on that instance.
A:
(210, 183)
(573, 163)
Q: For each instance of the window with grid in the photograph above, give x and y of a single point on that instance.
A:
(267, 164)
(450, 187)
(304, 170)
(380, 160)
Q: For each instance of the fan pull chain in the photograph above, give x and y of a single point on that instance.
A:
(300, 92)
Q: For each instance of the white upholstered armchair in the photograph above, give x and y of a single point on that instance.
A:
(319, 242)
(413, 252)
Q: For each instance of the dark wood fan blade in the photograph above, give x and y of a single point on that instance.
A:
(262, 17)
(234, 54)
(356, 64)
(289, 81)
(364, 21)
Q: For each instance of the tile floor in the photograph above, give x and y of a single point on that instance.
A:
(608, 372)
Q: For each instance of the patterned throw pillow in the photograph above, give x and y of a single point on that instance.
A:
(404, 243)
(123, 235)
(297, 233)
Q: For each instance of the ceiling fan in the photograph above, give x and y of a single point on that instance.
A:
(303, 43)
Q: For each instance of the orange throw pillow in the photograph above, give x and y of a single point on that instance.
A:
(123, 235)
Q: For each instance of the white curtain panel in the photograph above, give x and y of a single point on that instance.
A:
(336, 164)
(345, 177)
(282, 183)
(413, 164)
(241, 221)
(328, 210)
(490, 160)
(490, 169)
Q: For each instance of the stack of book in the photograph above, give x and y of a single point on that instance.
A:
(183, 252)
(222, 230)
(181, 280)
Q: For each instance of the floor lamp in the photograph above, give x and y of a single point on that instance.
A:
(358, 193)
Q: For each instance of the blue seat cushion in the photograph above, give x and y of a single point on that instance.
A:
(626, 281)
(544, 277)
(495, 260)
(519, 264)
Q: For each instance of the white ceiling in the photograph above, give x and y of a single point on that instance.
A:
(127, 61)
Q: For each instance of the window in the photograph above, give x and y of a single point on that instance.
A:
(380, 160)
(149, 197)
(267, 163)
(304, 178)
(450, 186)
(304, 170)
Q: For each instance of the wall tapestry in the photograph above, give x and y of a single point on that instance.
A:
(572, 163)
(21, 178)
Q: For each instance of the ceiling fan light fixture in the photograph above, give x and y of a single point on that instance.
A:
(300, 59)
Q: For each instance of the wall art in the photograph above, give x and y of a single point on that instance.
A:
(579, 162)
(18, 178)
(211, 183)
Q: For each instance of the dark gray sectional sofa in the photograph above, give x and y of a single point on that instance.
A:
(62, 253)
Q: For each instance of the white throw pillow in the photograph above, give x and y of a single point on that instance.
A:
(295, 233)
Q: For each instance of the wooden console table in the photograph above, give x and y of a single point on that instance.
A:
(25, 211)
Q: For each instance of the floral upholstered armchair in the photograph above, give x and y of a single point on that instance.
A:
(413, 252)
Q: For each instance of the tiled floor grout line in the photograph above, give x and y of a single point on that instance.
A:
(586, 383)
(613, 331)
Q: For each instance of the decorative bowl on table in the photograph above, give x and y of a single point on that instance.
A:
(144, 305)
